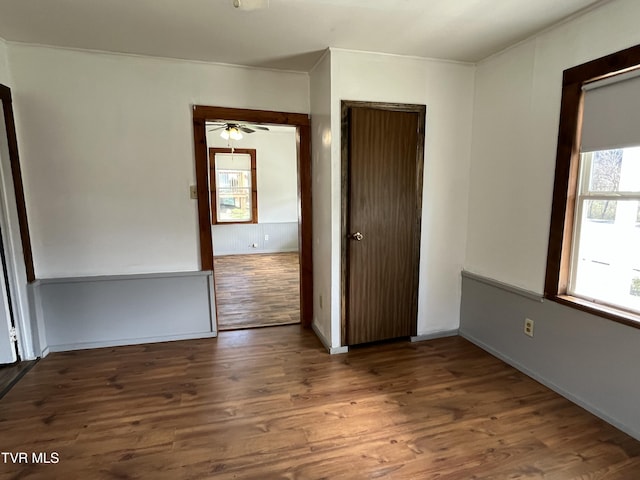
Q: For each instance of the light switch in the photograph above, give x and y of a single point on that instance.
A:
(193, 192)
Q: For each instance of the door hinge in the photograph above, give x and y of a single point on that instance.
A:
(13, 335)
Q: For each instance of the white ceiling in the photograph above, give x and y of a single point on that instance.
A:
(289, 34)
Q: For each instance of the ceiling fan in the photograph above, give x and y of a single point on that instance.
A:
(233, 130)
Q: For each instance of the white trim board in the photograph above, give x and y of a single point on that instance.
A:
(434, 335)
(330, 349)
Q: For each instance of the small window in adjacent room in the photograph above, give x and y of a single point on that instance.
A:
(593, 260)
(233, 186)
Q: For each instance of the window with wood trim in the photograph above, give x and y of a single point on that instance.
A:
(234, 190)
(593, 259)
(605, 264)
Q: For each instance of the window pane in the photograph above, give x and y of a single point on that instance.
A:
(601, 210)
(605, 171)
(614, 171)
(635, 285)
(234, 204)
(607, 260)
(234, 196)
(630, 174)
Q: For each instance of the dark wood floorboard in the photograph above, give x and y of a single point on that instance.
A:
(270, 403)
(11, 374)
(258, 290)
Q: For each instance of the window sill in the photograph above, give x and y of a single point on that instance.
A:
(239, 222)
(610, 313)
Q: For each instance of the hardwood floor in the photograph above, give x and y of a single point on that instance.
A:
(270, 403)
(11, 374)
(257, 290)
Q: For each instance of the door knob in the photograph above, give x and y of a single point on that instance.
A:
(356, 236)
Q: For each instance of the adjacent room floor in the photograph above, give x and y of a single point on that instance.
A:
(270, 403)
(257, 290)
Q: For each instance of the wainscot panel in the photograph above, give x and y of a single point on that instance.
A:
(589, 360)
(238, 239)
(90, 312)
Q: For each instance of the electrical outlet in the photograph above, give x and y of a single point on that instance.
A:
(528, 327)
(193, 192)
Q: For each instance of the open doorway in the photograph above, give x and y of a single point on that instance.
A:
(257, 290)
(15, 268)
(253, 188)
(299, 128)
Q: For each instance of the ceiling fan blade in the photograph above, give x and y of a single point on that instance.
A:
(217, 128)
(246, 129)
(258, 127)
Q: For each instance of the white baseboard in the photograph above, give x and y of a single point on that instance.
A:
(327, 345)
(255, 251)
(434, 335)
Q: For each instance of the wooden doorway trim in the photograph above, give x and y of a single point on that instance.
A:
(346, 106)
(16, 173)
(202, 114)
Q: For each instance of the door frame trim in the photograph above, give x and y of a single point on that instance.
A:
(301, 121)
(345, 106)
(16, 174)
(16, 263)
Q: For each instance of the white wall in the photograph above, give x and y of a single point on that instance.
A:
(4, 64)
(321, 162)
(447, 90)
(276, 165)
(106, 144)
(589, 359)
(515, 131)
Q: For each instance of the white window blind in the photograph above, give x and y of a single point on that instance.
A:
(611, 117)
(233, 161)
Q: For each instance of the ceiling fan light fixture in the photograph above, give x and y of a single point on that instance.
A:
(231, 133)
(235, 134)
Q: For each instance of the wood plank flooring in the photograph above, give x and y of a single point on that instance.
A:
(10, 374)
(270, 403)
(257, 290)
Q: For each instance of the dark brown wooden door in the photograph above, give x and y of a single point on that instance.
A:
(382, 172)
